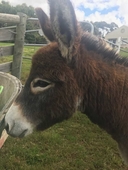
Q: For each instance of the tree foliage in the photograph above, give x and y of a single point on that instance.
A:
(104, 25)
(86, 26)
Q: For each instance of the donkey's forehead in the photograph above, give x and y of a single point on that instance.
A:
(47, 53)
(49, 64)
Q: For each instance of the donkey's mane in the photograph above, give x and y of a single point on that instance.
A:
(100, 46)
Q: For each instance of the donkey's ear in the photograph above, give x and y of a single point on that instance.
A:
(64, 25)
(45, 24)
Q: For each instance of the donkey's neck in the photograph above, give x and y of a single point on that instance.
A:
(102, 85)
(100, 46)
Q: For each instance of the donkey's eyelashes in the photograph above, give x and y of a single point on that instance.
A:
(39, 85)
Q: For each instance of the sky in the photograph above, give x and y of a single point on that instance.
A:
(90, 10)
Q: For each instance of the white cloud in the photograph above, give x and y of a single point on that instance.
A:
(109, 18)
(99, 4)
(113, 16)
(123, 11)
(80, 15)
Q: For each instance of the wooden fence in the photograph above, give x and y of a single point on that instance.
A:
(17, 49)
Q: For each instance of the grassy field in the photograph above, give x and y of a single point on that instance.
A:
(76, 144)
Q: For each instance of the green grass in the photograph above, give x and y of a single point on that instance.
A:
(26, 64)
(124, 54)
(72, 145)
(76, 144)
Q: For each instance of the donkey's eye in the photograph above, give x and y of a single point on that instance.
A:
(41, 83)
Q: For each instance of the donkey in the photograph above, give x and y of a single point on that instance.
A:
(75, 71)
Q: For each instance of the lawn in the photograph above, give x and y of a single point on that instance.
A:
(76, 144)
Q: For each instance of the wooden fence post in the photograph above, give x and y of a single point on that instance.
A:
(19, 45)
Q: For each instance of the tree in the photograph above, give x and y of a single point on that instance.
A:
(86, 26)
(105, 27)
(5, 7)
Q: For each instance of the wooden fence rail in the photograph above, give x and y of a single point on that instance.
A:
(6, 51)
(6, 67)
(9, 18)
(6, 35)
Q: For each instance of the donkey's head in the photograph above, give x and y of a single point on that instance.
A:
(51, 93)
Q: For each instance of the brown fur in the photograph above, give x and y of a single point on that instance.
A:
(88, 76)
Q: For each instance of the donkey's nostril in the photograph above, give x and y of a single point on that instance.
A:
(7, 127)
(23, 133)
